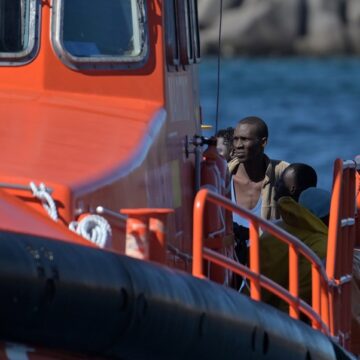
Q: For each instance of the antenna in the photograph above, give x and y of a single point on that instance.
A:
(218, 70)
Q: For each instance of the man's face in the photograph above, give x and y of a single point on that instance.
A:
(286, 185)
(223, 147)
(247, 144)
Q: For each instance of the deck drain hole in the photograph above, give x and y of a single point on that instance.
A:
(202, 325)
(253, 339)
(141, 305)
(266, 343)
(50, 290)
(124, 300)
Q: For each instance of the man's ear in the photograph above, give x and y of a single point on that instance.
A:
(292, 190)
(263, 142)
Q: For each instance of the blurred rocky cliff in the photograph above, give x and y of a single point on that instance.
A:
(304, 27)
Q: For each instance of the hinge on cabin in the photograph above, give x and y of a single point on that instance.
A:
(196, 141)
(343, 337)
(337, 283)
(347, 222)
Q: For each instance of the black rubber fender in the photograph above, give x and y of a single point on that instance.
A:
(74, 298)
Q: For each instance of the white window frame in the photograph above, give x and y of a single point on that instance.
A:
(28, 54)
(105, 62)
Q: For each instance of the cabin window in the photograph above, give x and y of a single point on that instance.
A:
(17, 31)
(186, 44)
(171, 34)
(100, 33)
(193, 6)
(188, 31)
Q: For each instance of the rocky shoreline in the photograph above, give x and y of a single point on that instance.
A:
(281, 27)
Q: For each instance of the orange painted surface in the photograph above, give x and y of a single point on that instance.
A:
(63, 139)
(254, 255)
(18, 217)
(67, 127)
(81, 133)
(116, 139)
(341, 242)
(96, 137)
(112, 138)
(294, 280)
(47, 73)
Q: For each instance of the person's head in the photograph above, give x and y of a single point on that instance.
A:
(294, 180)
(250, 138)
(317, 201)
(224, 142)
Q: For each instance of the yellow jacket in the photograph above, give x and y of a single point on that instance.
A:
(274, 260)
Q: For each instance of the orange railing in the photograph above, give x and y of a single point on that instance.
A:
(330, 287)
(341, 242)
(318, 314)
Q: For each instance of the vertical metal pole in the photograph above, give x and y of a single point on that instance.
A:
(294, 280)
(316, 303)
(255, 289)
(198, 233)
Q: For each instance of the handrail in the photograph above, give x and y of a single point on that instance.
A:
(341, 242)
(265, 282)
(320, 285)
(331, 288)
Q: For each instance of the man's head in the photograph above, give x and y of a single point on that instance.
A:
(295, 178)
(224, 142)
(250, 138)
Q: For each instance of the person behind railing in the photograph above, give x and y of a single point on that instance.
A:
(296, 178)
(224, 144)
(306, 219)
(253, 178)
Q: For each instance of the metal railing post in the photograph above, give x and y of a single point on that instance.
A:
(255, 289)
(198, 233)
(294, 280)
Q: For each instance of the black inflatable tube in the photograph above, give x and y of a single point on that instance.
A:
(63, 296)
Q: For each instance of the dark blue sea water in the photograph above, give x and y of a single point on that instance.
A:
(312, 106)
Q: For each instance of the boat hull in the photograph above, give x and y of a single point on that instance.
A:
(58, 295)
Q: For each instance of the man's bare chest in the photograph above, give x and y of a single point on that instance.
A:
(247, 192)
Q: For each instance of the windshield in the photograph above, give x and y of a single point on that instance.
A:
(17, 30)
(102, 30)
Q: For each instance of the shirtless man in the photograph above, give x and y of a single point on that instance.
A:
(253, 179)
(254, 174)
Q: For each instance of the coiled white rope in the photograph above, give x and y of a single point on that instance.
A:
(42, 193)
(94, 228)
